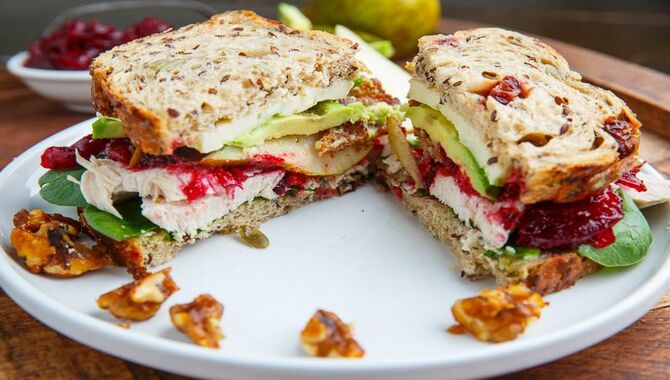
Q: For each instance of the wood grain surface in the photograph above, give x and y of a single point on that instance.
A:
(30, 350)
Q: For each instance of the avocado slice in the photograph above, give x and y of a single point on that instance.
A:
(443, 131)
(324, 115)
(108, 128)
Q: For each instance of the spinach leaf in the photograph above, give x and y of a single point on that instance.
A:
(633, 238)
(56, 188)
(133, 222)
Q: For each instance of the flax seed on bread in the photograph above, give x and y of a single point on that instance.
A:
(170, 87)
(554, 132)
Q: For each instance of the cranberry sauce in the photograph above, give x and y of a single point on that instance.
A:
(545, 225)
(630, 180)
(76, 43)
(291, 182)
(119, 150)
(204, 177)
(548, 225)
(63, 157)
(184, 161)
(450, 169)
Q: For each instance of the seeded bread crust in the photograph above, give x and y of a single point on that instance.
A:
(554, 134)
(140, 253)
(169, 87)
(549, 273)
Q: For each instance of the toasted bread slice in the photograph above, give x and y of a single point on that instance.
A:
(558, 131)
(204, 84)
(548, 273)
(138, 254)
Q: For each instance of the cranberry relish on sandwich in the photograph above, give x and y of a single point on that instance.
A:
(214, 127)
(515, 162)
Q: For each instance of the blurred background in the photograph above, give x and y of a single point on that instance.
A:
(637, 31)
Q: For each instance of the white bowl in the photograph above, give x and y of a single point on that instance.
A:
(72, 88)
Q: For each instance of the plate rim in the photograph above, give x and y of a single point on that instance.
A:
(94, 332)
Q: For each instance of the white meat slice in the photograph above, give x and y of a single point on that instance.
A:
(474, 209)
(188, 217)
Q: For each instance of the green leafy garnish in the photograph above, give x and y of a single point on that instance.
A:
(359, 80)
(56, 188)
(133, 222)
(524, 253)
(633, 238)
(492, 254)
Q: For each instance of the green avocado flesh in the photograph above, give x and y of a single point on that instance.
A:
(108, 128)
(443, 131)
(324, 115)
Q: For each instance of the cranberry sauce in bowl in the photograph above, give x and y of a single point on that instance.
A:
(77, 42)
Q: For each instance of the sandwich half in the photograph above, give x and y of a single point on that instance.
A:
(214, 127)
(515, 163)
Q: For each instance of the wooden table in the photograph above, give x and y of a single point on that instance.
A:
(28, 349)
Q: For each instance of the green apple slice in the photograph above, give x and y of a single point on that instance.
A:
(294, 153)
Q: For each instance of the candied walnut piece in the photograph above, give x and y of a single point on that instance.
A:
(140, 299)
(48, 243)
(200, 320)
(497, 315)
(325, 335)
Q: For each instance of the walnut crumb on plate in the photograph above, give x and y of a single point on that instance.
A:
(325, 335)
(497, 315)
(50, 244)
(200, 320)
(140, 299)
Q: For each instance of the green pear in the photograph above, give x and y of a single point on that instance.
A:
(401, 21)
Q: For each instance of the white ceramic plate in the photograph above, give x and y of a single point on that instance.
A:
(359, 255)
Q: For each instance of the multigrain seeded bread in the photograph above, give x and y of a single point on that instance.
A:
(140, 253)
(168, 87)
(546, 274)
(555, 134)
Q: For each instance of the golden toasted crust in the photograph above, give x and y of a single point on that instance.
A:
(143, 127)
(181, 87)
(555, 129)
